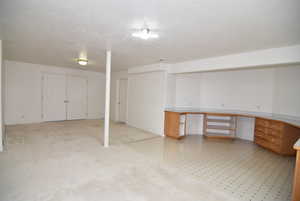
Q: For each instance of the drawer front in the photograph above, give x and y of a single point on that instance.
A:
(275, 141)
(270, 144)
(275, 147)
(274, 133)
(262, 122)
(277, 125)
(262, 142)
(268, 138)
(261, 134)
(261, 128)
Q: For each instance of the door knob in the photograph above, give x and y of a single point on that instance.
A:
(66, 101)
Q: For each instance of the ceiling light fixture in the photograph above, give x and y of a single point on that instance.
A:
(82, 62)
(145, 34)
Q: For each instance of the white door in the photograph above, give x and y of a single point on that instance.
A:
(123, 100)
(54, 96)
(77, 97)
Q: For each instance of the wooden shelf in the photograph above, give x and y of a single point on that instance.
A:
(219, 120)
(231, 127)
(218, 135)
(216, 127)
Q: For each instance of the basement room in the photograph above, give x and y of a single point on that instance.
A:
(149, 100)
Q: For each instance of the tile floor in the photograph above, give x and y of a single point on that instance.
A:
(65, 161)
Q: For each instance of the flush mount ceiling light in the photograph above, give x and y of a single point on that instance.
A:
(145, 34)
(82, 62)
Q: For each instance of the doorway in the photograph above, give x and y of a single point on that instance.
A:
(64, 97)
(122, 100)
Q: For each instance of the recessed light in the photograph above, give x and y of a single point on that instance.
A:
(82, 62)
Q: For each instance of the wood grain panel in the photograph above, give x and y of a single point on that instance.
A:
(172, 124)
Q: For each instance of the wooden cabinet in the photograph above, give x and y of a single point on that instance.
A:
(276, 136)
(175, 124)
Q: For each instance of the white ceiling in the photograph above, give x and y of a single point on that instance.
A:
(55, 32)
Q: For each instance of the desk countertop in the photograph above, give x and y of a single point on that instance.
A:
(292, 120)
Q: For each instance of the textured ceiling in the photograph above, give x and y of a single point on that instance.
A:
(55, 32)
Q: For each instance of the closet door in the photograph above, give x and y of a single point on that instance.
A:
(54, 97)
(123, 83)
(77, 97)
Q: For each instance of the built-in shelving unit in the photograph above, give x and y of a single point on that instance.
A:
(182, 127)
(219, 126)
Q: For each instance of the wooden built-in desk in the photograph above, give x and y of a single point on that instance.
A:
(277, 133)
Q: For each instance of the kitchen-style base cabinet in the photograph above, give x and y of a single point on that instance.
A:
(175, 124)
(276, 136)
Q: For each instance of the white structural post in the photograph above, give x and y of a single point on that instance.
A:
(107, 98)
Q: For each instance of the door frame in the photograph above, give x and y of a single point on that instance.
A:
(117, 105)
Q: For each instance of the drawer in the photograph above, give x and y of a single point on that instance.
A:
(261, 128)
(261, 134)
(274, 133)
(277, 125)
(262, 142)
(262, 122)
(274, 141)
(275, 147)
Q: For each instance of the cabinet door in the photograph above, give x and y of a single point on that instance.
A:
(172, 122)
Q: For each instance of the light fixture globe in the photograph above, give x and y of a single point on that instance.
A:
(82, 62)
(145, 34)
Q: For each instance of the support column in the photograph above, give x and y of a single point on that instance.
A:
(107, 98)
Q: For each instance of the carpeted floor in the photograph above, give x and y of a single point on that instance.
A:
(62, 161)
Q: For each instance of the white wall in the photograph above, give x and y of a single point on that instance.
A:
(23, 91)
(170, 90)
(287, 91)
(249, 90)
(266, 57)
(245, 128)
(272, 90)
(115, 77)
(188, 90)
(146, 101)
(147, 97)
